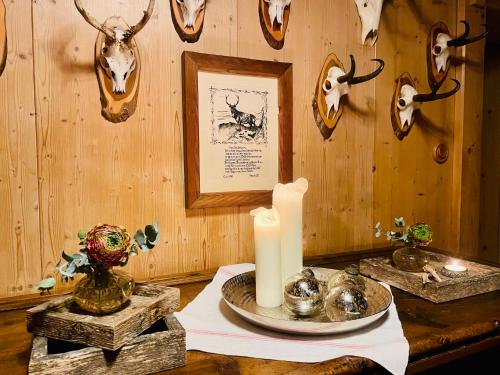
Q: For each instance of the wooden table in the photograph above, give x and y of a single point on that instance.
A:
(457, 334)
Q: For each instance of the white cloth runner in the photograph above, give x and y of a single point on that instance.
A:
(211, 326)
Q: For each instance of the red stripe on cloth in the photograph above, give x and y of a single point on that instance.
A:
(273, 339)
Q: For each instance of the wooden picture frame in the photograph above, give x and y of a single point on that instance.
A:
(194, 63)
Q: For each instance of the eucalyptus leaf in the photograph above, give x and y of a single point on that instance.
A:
(47, 283)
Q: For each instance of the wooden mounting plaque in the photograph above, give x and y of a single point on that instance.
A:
(189, 35)
(115, 107)
(3, 38)
(400, 130)
(62, 319)
(434, 77)
(326, 122)
(160, 348)
(274, 35)
(480, 279)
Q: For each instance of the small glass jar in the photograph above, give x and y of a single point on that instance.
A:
(409, 259)
(350, 275)
(103, 291)
(303, 294)
(345, 301)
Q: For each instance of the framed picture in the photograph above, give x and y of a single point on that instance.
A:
(238, 123)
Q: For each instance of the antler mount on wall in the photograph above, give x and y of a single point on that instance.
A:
(405, 101)
(117, 63)
(332, 86)
(188, 17)
(439, 45)
(273, 16)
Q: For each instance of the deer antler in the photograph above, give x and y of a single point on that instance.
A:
(133, 30)
(92, 21)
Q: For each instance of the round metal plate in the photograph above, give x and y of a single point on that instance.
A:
(239, 294)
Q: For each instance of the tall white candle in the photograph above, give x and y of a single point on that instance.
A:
(287, 198)
(268, 286)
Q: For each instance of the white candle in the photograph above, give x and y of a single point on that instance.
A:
(287, 198)
(268, 286)
(455, 267)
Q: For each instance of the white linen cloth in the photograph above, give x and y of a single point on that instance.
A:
(211, 326)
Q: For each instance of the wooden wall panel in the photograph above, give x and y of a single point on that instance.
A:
(489, 223)
(19, 207)
(419, 188)
(93, 171)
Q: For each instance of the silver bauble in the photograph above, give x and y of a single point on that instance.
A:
(303, 294)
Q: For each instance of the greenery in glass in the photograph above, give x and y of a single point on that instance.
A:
(409, 257)
(103, 290)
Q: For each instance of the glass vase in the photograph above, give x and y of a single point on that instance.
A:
(103, 291)
(410, 259)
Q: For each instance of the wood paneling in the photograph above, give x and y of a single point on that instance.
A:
(407, 182)
(131, 173)
(20, 266)
(489, 222)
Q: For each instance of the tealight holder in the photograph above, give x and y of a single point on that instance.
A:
(303, 294)
(454, 270)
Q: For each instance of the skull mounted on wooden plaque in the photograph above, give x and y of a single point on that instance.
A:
(273, 16)
(188, 17)
(333, 84)
(369, 12)
(3, 38)
(117, 63)
(406, 100)
(439, 45)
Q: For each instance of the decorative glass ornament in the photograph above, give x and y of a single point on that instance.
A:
(409, 259)
(303, 294)
(350, 275)
(345, 302)
(103, 291)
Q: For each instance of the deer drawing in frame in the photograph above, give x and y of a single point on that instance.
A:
(247, 120)
(117, 62)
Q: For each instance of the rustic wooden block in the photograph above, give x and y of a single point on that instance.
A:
(161, 347)
(62, 319)
(480, 278)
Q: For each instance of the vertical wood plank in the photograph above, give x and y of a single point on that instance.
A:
(467, 145)
(19, 224)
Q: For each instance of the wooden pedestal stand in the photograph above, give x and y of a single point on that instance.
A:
(141, 338)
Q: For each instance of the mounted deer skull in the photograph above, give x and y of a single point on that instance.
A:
(117, 53)
(276, 11)
(332, 86)
(439, 44)
(190, 10)
(369, 12)
(443, 43)
(406, 101)
(273, 17)
(338, 83)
